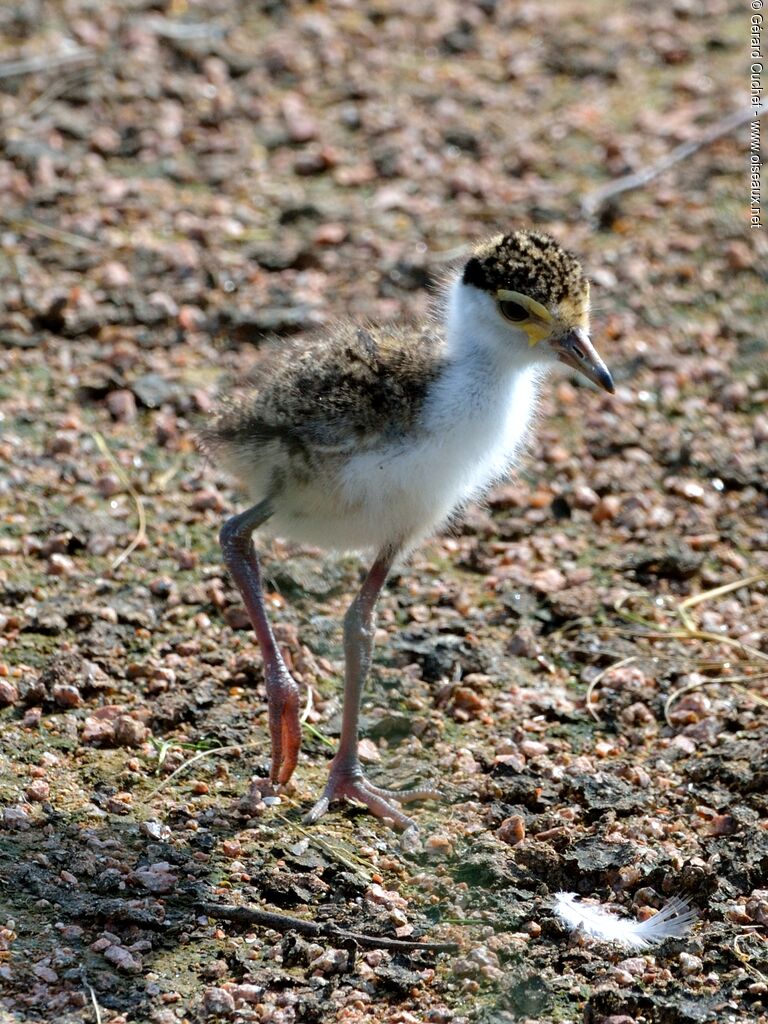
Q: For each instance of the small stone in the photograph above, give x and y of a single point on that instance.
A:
(467, 699)
(114, 275)
(108, 485)
(66, 695)
(122, 405)
(533, 748)
(722, 825)
(584, 497)
(331, 961)
(218, 1002)
(155, 830)
(38, 791)
(368, 752)
(512, 830)
(127, 732)
(330, 234)
(548, 581)
(157, 878)
(236, 617)
(122, 958)
(16, 817)
(246, 993)
(621, 977)
(120, 803)
(9, 692)
(59, 565)
(438, 846)
(208, 499)
(97, 730)
(45, 973)
(690, 964)
(607, 508)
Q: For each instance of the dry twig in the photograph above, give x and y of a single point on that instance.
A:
(593, 201)
(248, 916)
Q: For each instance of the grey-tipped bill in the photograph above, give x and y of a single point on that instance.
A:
(576, 350)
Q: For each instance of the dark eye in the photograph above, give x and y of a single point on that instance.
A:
(513, 311)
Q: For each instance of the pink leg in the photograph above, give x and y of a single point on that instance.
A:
(236, 539)
(346, 776)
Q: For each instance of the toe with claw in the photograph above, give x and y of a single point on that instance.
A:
(347, 781)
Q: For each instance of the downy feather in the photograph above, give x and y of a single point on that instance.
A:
(672, 921)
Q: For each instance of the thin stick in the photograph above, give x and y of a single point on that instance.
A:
(596, 680)
(248, 916)
(141, 533)
(593, 201)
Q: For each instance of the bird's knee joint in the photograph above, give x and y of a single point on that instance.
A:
(356, 622)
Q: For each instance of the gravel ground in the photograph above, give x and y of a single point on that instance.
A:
(180, 179)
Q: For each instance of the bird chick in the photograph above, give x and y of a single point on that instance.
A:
(370, 438)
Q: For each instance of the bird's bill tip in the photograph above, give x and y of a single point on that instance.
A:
(576, 350)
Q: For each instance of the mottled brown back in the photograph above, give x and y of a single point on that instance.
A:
(345, 388)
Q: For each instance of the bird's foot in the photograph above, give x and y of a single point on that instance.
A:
(347, 781)
(284, 725)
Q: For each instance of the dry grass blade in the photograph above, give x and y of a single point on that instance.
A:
(725, 680)
(308, 706)
(710, 595)
(141, 532)
(596, 680)
(192, 760)
(56, 235)
(655, 630)
(45, 62)
(746, 959)
(94, 1001)
(356, 865)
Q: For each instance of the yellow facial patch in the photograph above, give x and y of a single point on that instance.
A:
(538, 326)
(576, 312)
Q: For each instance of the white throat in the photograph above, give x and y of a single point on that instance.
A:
(481, 408)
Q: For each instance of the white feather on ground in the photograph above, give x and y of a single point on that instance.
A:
(672, 921)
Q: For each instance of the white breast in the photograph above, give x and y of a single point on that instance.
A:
(474, 428)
